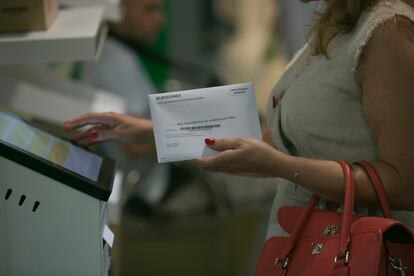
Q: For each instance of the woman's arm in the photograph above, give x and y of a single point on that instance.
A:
(387, 79)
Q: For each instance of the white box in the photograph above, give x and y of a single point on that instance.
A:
(77, 34)
(113, 10)
(50, 97)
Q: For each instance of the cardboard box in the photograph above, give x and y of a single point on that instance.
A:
(27, 15)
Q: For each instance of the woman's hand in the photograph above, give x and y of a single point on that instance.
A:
(241, 157)
(111, 126)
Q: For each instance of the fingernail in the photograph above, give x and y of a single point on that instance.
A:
(93, 134)
(210, 141)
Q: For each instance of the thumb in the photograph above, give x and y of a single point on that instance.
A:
(222, 144)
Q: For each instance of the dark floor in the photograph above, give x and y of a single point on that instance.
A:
(199, 245)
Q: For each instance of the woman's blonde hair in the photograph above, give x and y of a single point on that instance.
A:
(339, 17)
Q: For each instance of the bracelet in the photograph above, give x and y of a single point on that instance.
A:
(296, 175)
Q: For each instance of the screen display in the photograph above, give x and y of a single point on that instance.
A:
(16, 132)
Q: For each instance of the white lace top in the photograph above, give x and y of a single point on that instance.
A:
(315, 110)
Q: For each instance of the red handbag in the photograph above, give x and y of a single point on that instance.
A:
(325, 242)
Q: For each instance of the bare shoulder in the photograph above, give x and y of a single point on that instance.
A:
(387, 78)
(391, 42)
(398, 28)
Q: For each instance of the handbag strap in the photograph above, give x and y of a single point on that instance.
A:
(349, 199)
(378, 187)
(300, 225)
(307, 213)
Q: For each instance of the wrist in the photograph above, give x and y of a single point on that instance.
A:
(149, 133)
(145, 133)
(285, 166)
(277, 163)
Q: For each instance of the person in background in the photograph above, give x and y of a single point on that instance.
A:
(348, 94)
(119, 69)
(121, 72)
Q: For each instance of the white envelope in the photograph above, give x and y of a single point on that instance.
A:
(182, 120)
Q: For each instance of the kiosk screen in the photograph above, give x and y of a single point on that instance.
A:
(16, 132)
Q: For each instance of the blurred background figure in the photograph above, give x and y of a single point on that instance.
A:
(243, 54)
(121, 70)
(142, 21)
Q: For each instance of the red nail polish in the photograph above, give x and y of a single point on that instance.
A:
(210, 141)
(93, 135)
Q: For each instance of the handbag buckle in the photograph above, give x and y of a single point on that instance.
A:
(285, 262)
(345, 259)
(330, 230)
(317, 249)
(397, 264)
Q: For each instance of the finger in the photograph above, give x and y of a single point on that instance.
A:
(208, 165)
(103, 135)
(85, 134)
(222, 144)
(97, 136)
(204, 162)
(109, 119)
(216, 162)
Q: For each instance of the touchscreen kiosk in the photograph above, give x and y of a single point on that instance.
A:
(68, 163)
(52, 203)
